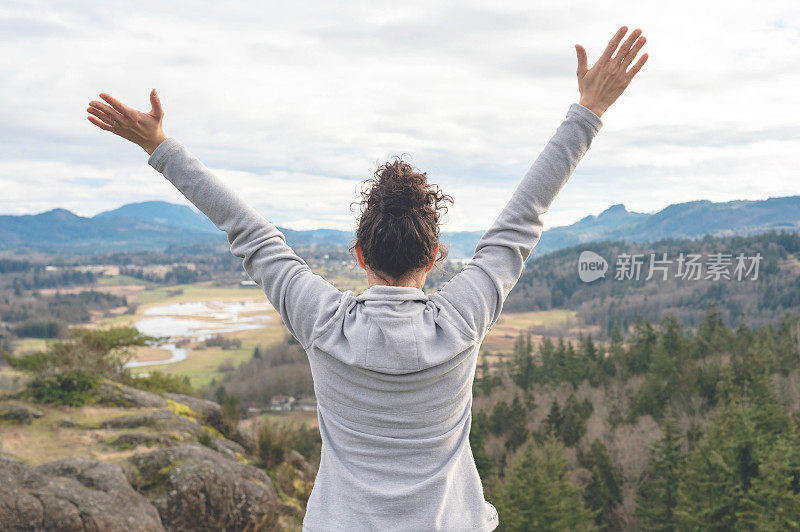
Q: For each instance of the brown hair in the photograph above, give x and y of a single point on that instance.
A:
(398, 227)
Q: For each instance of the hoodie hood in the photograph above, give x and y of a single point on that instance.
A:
(380, 292)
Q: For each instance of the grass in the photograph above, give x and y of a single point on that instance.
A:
(344, 281)
(44, 440)
(6, 371)
(502, 336)
(793, 262)
(122, 280)
(202, 363)
(309, 419)
(30, 344)
(118, 321)
(201, 366)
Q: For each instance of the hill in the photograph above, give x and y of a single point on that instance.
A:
(162, 213)
(130, 459)
(62, 231)
(763, 296)
(155, 225)
(682, 220)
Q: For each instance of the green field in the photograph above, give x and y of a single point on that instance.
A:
(502, 336)
(122, 280)
(203, 363)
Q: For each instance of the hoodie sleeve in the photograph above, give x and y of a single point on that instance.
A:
(303, 299)
(475, 296)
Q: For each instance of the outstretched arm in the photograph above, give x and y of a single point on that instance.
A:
(478, 292)
(304, 300)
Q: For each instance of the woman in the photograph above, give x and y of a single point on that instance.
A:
(393, 367)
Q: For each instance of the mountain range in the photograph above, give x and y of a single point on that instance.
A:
(154, 225)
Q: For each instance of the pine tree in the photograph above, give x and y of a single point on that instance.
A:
(523, 363)
(712, 334)
(573, 426)
(516, 427)
(657, 497)
(485, 382)
(548, 361)
(499, 420)
(615, 346)
(589, 349)
(773, 500)
(559, 370)
(604, 488)
(725, 464)
(477, 437)
(554, 420)
(643, 341)
(537, 493)
(574, 368)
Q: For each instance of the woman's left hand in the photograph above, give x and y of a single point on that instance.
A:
(143, 129)
(601, 85)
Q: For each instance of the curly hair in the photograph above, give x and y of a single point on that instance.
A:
(398, 228)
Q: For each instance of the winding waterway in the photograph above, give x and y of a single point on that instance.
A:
(198, 321)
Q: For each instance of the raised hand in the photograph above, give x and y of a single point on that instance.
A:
(601, 85)
(144, 129)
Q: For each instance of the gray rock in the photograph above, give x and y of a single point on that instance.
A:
(210, 411)
(176, 427)
(300, 463)
(116, 394)
(69, 423)
(132, 421)
(21, 414)
(71, 495)
(196, 488)
(134, 439)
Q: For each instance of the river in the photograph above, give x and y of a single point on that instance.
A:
(198, 321)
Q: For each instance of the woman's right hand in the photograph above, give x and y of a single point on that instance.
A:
(601, 85)
(143, 129)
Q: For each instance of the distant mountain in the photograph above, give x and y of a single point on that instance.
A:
(163, 213)
(613, 220)
(157, 224)
(698, 218)
(682, 220)
(60, 230)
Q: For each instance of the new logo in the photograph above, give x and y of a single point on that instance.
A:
(591, 266)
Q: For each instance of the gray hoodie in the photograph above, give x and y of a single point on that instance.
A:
(393, 367)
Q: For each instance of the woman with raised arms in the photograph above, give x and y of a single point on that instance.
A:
(393, 367)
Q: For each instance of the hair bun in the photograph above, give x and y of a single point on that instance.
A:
(397, 205)
(400, 190)
(398, 228)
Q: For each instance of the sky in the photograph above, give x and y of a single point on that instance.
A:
(294, 104)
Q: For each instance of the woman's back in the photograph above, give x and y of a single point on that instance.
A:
(393, 378)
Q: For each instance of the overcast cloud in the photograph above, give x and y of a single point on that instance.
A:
(295, 103)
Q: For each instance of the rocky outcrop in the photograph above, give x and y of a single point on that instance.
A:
(116, 394)
(20, 413)
(194, 478)
(195, 488)
(301, 464)
(135, 439)
(180, 488)
(176, 427)
(71, 495)
(211, 414)
(209, 411)
(148, 419)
